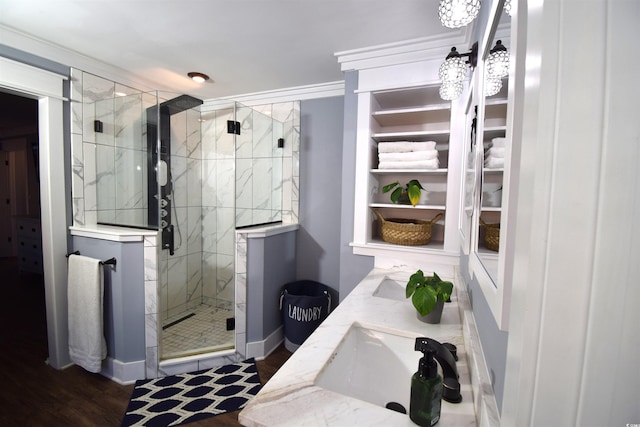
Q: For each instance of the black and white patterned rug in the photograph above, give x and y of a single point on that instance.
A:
(179, 399)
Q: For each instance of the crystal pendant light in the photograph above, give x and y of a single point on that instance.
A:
(492, 86)
(453, 69)
(507, 7)
(458, 13)
(498, 61)
(450, 91)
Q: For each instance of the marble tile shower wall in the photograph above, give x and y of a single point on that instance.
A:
(181, 275)
(99, 158)
(203, 165)
(276, 198)
(258, 168)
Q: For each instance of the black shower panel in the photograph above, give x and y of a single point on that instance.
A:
(159, 165)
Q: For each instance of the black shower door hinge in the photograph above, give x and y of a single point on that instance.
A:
(233, 127)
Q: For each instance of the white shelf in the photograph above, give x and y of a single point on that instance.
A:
(493, 171)
(418, 136)
(412, 116)
(381, 244)
(441, 171)
(491, 208)
(401, 206)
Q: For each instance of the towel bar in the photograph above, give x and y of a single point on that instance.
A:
(110, 261)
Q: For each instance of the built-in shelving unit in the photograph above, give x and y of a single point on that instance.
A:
(495, 126)
(411, 114)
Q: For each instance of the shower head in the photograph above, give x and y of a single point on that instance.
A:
(179, 104)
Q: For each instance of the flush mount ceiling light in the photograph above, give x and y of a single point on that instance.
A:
(198, 77)
(458, 13)
(498, 61)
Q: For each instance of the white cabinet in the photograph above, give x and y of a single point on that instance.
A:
(411, 114)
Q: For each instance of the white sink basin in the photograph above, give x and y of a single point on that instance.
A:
(372, 365)
(391, 289)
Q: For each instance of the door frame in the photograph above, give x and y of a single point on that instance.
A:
(48, 88)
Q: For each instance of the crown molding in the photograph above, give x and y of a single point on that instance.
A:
(298, 93)
(413, 50)
(54, 52)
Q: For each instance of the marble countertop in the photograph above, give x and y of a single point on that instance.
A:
(290, 397)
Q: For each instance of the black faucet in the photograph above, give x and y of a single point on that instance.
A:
(446, 357)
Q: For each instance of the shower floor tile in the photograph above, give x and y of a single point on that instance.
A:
(205, 331)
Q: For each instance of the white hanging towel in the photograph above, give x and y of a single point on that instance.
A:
(87, 346)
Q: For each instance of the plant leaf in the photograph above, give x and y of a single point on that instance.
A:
(389, 187)
(396, 194)
(416, 183)
(414, 192)
(414, 282)
(424, 300)
(445, 289)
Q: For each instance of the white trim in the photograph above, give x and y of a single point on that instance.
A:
(299, 93)
(419, 49)
(48, 87)
(268, 230)
(24, 78)
(112, 233)
(57, 53)
(54, 226)
(123, 373)
(261, 349)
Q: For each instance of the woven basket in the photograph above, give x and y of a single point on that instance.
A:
(407, 232)
(491, 235)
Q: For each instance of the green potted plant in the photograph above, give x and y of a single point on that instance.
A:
(428, 295)
(411, 192)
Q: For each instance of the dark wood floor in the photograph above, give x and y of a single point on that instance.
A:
(34, 394)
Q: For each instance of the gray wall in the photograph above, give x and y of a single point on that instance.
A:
(123, 295)
(271, 263)
(353, 268)
(321, 186)
(494, 341)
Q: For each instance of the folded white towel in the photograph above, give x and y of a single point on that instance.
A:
(494, 163)
(405, 146)
(498, 142)
(409, 156)
(418, 164)
(87, 346)
(495, 152)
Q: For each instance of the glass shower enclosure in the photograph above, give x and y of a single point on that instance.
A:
(195, 175)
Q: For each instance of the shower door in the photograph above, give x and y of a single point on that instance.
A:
(196, 286)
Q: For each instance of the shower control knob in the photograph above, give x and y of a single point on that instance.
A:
(164, 224)
(163, 212)
(164, 202)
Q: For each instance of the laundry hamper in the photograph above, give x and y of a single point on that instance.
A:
(304, 304)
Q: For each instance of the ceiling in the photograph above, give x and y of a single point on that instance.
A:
(245, 46)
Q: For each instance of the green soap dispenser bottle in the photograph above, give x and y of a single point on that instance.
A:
(426, 387)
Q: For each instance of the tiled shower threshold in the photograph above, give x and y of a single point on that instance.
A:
(197, 331)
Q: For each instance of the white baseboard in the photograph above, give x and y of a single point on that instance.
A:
(261, 349)
(123, 372)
